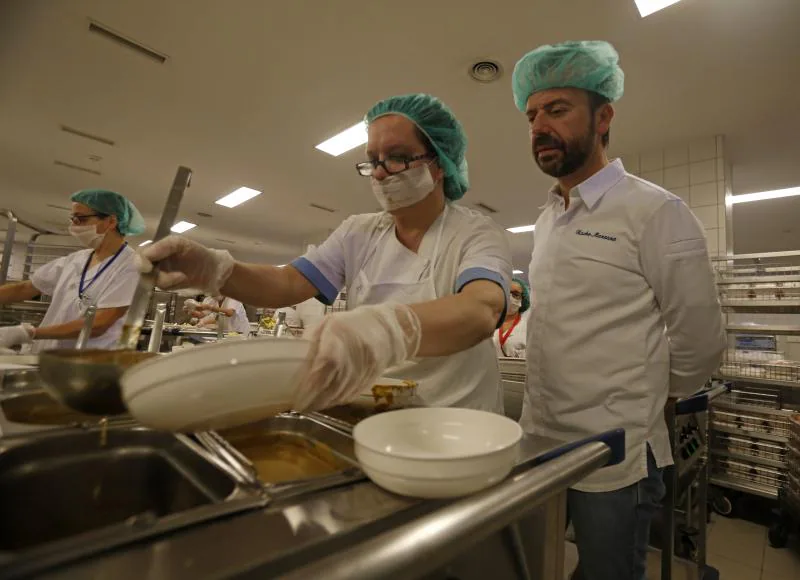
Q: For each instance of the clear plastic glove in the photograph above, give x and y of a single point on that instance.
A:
(16, 335)
(190, 305)
(350, 350)
(186, 264)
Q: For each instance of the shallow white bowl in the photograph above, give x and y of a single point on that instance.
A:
(220, 385)
(437, 452)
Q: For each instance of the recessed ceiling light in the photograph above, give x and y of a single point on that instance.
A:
(238, 197)
(775, 194)
(521, 229)
(346, 140)
(181, 227)
(648, 7)
(517, 272)
(145, 243)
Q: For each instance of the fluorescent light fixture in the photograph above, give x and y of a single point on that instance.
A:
(775, 194)
(238, 197)
(517, 272)
(521, 229)
(345, 141)
(145, 243)
(181, 227)
(648, 7)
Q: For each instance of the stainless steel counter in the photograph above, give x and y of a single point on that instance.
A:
(512, 530)
(361, 531)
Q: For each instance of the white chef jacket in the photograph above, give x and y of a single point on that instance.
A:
(112, 289)
(624, 314)
(517, 341)
(471, 247)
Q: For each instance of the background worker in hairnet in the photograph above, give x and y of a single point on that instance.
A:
(510, 339)
(624, 310)
(426, 279)
(103, 275)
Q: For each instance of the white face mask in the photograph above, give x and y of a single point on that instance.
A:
(87, 235)
(403, 189)
(514, 304)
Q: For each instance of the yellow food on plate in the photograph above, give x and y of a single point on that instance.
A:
(385, 394)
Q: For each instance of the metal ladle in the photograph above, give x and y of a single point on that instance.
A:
(88, 380)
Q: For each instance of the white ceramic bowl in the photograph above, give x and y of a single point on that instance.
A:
(437, 452)
(220, 385)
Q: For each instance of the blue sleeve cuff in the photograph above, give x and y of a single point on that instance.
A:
(327, 291)
(472, 274)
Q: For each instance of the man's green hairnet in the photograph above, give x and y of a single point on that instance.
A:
(592, 65)
(526, 294)
(129, 221)
(442, 129)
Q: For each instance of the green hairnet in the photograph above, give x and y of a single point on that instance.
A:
(592, 65)
(443, 130)
(526, 294)
(129, 220)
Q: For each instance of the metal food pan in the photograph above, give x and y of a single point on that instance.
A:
(39, 408)
(288, 454)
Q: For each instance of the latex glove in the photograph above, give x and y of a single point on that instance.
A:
(16, 335)
(186, 264)
(350, 350)
(190, 305)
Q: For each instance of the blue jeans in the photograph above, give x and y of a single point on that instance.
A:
(612, 529)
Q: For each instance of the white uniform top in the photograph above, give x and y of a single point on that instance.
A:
(60, 279)
(238, 322)
(516, 343)
(624, 313)
(470, 247)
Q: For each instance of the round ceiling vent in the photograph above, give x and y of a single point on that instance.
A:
(486, 71)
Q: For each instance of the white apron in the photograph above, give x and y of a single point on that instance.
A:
(470, 378)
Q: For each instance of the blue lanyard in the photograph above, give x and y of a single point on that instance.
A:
(83, 286)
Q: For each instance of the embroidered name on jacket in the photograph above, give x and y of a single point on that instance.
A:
(596, 235)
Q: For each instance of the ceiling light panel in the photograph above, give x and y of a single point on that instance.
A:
(182, 227)
(517, 272)
(345, 141)
(648, 7)
(238, 197)
(775, 194)
(145, 243)
(521, 229)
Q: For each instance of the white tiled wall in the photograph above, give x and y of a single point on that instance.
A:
(696, 173)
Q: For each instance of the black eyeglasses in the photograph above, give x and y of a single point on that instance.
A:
(81, 219)
(391, 165)
(515, 294)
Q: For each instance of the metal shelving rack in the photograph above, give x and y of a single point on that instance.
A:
(760, 295)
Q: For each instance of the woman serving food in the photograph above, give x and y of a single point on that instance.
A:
(426, 279)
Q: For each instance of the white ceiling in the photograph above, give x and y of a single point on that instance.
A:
(251, 86)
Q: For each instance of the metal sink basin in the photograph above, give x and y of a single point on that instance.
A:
(75, 492)
(11, 381)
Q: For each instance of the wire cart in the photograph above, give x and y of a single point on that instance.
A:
(789, 497)
(684, 512)
(760, 294)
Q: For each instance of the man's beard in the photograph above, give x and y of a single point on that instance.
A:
(572, 157)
